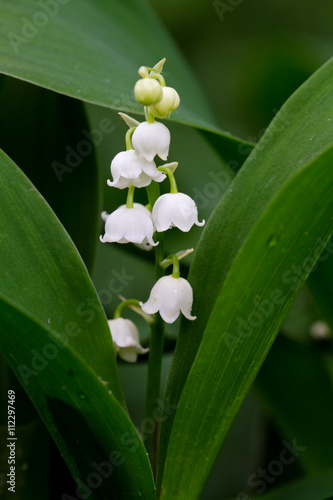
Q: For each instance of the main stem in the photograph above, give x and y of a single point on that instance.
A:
(154, 373)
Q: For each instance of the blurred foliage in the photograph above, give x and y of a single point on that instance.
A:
(249, 63)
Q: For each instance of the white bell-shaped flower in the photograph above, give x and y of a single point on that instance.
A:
(150, 139)
(170, 296)
(129, 225)
(175, 210)
(128, 168)
(145, 245)
(125, 336)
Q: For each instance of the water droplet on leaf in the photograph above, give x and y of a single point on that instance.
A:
(273, 241)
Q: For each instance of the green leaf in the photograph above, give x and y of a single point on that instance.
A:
(98, 441)
(253, 303)
(57, 154)
(321, 283)
(32, 447)
(251, 235)
(315, 488)
(93, 50)
(43, 274)
(289, 407)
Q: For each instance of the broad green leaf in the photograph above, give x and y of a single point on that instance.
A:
(300, 132)
(305, 414)
(254, 300)
(56, 152)
(297, 137)
(314, 488)
(321, 283)
(32, 446)
(98, 441)
(44, 278)
(43, 274)
(92, 51)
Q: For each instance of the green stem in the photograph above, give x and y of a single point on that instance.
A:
(150, 118)
(154, 371)
(172, 179)
(130, 196)
(128, 138)
(126, 303)
(175, 270)
(158, 77)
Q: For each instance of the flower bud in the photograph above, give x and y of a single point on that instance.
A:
(169, 103)
(148, 91)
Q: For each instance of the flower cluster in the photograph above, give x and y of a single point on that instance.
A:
(138, 224)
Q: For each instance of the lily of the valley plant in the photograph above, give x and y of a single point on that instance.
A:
(144, 226)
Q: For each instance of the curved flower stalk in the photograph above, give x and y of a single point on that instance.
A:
(169, 297)
(129, 225)
(126, 339)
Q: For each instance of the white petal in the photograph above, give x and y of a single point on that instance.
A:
(169, 296)
(150, 139)
(161, 214)
(128, 168)
(124, 332)
(186, 301)
(142, 181)
(149, 168)
(172, 304)
(113, 227)
(125, 336)
(129, 354)
(149, 307)
(175, 209)
(104, 215)
(158, 177)
(126, 164)
(168, 314)
(137, 226)
(142, 208)
(126, 225)
(121, 183)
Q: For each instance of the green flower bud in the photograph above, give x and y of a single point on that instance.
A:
(169, 102)
(148, 91)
